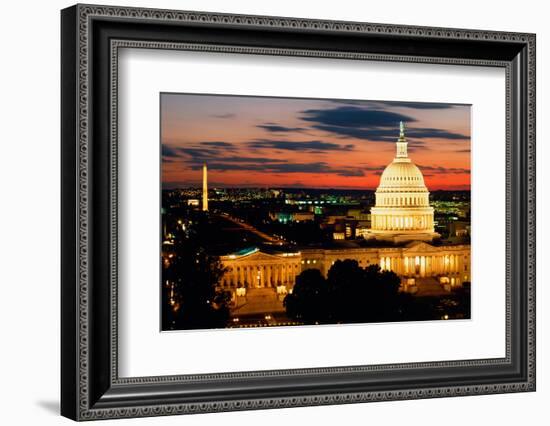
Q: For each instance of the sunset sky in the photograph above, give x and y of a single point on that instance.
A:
(308, 143)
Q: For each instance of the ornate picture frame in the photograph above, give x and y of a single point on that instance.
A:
(91, 37)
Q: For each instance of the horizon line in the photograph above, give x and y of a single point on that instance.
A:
(292, 187)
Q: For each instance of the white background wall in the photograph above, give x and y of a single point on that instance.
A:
(29, 212)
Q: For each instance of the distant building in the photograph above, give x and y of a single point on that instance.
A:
(332, 219)
(362, 231)
(285, 217)
(359, 214)
(459, 228)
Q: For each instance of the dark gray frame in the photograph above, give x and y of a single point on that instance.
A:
(91, 37)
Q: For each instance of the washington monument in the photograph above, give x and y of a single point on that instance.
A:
(204, 188)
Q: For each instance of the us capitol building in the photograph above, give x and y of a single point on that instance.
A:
(402, 214)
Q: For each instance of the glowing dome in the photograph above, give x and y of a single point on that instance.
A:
(402, 210)
(400, 174)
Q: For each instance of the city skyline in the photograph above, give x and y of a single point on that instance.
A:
(308, 143)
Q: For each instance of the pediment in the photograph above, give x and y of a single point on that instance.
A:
(420, 246)
(260, 257)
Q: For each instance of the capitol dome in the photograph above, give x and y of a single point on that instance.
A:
(402, 209)
(401, 174)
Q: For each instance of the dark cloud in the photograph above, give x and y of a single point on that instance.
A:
(425, 133)
(214, 155)
(350, 172)
(218, 144)
(416, 145)
(313, 146)
(170, 152)
(438, 170)
(249, 160)
(371, 124)
(228, 115)
(200, 150)
(197, 157)
(199, 153)
(397, 104)
(379, 135)
(355, 122)
(419, 105)
(373, 168)
(390, 134)
(284, 167)
(351, 116)
(277, 128)
(376, 170)
(464, 150)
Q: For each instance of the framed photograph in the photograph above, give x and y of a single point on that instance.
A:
(263, 212)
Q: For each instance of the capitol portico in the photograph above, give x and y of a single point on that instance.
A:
(255, 269)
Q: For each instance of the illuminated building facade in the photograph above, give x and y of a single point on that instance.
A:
(422, 267)
(255, 269)
(285, 217)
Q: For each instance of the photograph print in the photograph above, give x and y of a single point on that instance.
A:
(301, 212)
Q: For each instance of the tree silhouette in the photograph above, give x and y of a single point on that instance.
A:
(349, 294)
(461, 298)
(415, 308)
(364, 294)
(194, 273)
(346, 285)
(309, 299)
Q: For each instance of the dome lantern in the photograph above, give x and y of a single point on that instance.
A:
(401, 142)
